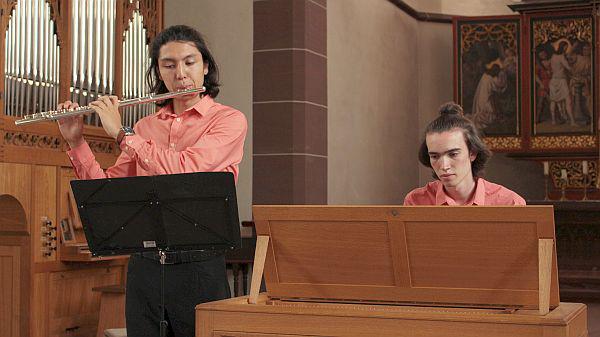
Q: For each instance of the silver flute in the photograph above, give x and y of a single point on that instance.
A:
(58, 114)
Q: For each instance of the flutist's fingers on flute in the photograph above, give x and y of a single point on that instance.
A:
(68, 105)
(71, 128)
(107, 107)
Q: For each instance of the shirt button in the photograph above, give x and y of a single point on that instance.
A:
(146, 160)
(178, 119)
(71, 158)
(172, 144)
(129, 142)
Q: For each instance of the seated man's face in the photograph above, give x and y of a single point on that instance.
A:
(450, 157)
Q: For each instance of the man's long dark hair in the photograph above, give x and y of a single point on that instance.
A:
(181, 33)
(452, 117)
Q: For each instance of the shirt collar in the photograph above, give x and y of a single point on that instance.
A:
(202, 108)
(441, 198)
(479, 195)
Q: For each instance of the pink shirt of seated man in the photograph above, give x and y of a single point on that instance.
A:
(486, 194)
(208, 137)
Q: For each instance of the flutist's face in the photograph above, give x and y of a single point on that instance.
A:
(181, 67)
(450, 158)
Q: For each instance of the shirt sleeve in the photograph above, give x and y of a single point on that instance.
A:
(219, 149)
(408, 200)
(86, 167)
(518, 200)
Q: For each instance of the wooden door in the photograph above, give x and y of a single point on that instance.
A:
(10, 290)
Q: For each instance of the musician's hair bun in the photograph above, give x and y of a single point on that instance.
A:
(451, 109)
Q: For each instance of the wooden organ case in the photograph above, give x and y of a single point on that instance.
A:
(54, 51)
(350, 271)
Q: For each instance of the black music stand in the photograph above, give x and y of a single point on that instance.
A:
(166, 213)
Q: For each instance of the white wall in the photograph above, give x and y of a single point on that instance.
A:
(476, 7)
(372, 102)
(435, 80)
(463, 7)
(228, 28)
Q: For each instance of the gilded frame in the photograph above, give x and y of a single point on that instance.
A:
(488, 67)
(562, 76)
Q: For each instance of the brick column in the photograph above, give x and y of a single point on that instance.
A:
(290, 102)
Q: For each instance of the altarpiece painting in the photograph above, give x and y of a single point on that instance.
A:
(562, 71)
(488, 74)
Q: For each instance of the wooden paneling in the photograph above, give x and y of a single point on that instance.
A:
(15, 180)
(43, 144)
(236, 318)
(35, 293)
(66, 175)
(40, 309)
(440, 255)
(298, 259)
(112, 308)
(73, 306)
(476, 256)
(10, 290)
(44, 205)
(243, 334)
(12, 215)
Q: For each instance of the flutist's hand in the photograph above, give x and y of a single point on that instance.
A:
(71, 128)
(107, 107)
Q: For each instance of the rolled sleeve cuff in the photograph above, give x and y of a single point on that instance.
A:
(137, 148)
(132, 144)
(81, 155)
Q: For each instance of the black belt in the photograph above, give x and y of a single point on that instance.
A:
(183, 256)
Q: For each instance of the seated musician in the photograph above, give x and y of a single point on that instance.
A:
(455, 152)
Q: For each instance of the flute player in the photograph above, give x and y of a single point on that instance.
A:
(190, 133)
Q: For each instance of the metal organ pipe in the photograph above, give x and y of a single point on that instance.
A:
(32, 58)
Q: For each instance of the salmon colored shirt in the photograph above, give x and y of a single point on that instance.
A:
(208, 137)
(486, 194)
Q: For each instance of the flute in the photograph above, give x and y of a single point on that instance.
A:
(58, 114)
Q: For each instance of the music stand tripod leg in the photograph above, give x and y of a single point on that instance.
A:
(163, 321)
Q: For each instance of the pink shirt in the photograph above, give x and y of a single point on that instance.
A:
(208, 137)
(486, 194)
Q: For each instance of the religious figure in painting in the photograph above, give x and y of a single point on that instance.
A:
(489, 76)
(560, 95)
(485, 107)
(581, 85)
(562, 76)
(543, 74)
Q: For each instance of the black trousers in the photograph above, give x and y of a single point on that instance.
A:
(186, 285)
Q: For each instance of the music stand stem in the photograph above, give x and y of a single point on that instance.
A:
(163, 321)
